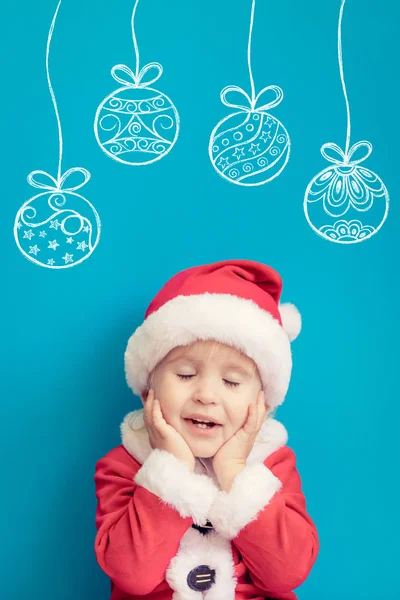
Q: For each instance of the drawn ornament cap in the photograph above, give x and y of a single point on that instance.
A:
(235, 302)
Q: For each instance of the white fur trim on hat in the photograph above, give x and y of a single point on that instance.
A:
(226, 318)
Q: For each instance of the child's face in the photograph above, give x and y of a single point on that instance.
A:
(206, 391)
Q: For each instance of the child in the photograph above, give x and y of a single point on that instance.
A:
(185, 510)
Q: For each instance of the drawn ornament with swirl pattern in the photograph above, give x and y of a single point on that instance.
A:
(136, 125)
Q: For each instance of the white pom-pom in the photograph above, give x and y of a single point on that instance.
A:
(291, 320)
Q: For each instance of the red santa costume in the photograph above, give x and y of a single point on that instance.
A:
(167, 533)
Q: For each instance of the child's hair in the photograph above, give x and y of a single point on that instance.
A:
(215, 347)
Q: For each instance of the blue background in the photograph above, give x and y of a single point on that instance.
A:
(64, 332)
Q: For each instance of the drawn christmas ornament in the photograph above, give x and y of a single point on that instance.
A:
(57, 228)
(250, 147)
(136, 124)
(346, 203)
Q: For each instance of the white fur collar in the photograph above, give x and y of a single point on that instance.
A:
(135, 439)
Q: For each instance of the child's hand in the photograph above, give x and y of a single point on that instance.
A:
(162, 435)
(231, 457)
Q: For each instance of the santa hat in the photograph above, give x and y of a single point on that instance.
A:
(235, 302)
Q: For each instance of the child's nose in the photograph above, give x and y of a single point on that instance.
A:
(206, 392)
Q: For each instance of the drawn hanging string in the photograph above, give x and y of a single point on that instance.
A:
(80, 223)
(346, 189)
(340, 60)
(53, 98)
(250, 147)
(348, 152)
(136, 124)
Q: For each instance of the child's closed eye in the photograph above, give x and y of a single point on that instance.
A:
(229, 383)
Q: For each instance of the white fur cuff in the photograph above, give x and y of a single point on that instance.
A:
(251, 491)
(166, 476)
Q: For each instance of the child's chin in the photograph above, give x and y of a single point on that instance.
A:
(204, 453)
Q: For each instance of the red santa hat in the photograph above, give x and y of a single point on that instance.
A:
(235, 302)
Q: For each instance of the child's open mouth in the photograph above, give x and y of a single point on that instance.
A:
(202, 429)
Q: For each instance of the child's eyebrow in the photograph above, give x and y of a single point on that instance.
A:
(230, 365)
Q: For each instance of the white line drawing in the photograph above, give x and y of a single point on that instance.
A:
(346, 188)
(136, 125)
(250, 147)
(55, 207)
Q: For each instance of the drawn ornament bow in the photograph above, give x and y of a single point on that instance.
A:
(127, 77)
(55, 185)
(251, 105)
(346, 158)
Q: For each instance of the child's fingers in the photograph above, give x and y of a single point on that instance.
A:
(156, 410)
(158, 417)
(251, 421)
(148, 401)
(147, 405)
(146, 411)
(153, 416)
(150, 408)
(263, 407)
(257, 413)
